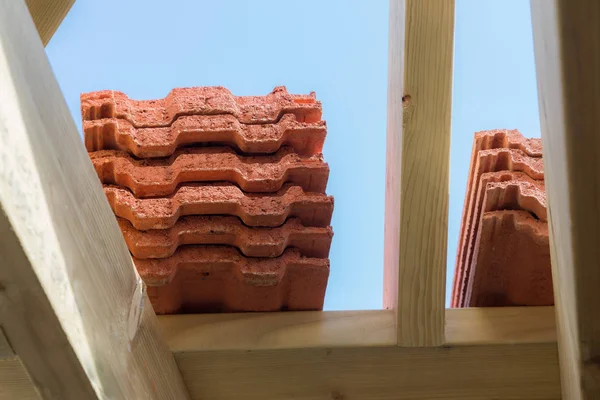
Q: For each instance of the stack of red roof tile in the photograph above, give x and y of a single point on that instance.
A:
(221, 198)
(503, 256)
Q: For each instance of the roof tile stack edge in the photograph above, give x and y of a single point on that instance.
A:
(220, 198)
(265, 210)
(213, 100)
(217, 279)
(223, 230)
(505, 202)
(160, 177)
(118, 134)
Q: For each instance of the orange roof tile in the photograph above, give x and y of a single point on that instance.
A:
(200, 101)
(260, 174)
(506, 173)
(119, 134)
(252, 242)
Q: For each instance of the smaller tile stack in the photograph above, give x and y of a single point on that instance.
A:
(220, 198)
(503, 256)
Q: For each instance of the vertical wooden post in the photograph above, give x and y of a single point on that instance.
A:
(418, 158)
(567, 56)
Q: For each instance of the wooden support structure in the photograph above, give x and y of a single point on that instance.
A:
(76, 324)
(507, 353)
(567, 55)
(71, 304)
(418, 161)
(47, 15)
(370, 370)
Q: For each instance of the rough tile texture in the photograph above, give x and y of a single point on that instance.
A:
(218, 279)
(252, 242)
(220, 198)
(512, 262)
(506, 175)
(482, 141)
(119, 134)
(517, 194)
(160, 177)
(272, 209)
(486, 161)
(200, 101)
(506, 139)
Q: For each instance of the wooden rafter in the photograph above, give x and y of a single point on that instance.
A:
(47, 16)
(71, 303)
(567, 55)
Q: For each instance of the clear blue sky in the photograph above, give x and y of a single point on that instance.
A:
(336, 48)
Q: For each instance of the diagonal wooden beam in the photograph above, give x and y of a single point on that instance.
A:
(418, 161)
(47, 16)
(567, 57)
(71, 304)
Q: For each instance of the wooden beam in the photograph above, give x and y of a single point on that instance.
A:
(525, 372)
(511, 353)
(71, 304)
(500, 326)
(297, 330)
(288, 330)
(47, 16)
(491, 354)
(14, 381)
(567, 57)
(352, 355)
(418, 161)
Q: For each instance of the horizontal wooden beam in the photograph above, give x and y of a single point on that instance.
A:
(567, 57)
(526, 371)
(293, 330)
(501, 326)
(47, 15)
(71, 304)
(491, 354)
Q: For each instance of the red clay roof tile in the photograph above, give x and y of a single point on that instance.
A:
(160, 177)
(118, 134)
(270, 210)
(221, 230)
(503, 257)
(518, 194)
(217, 279)
(488, 140)
(200, 101)
(506, 139)
(491, 160)
(511, 265)
(201, 242)
(495, 194)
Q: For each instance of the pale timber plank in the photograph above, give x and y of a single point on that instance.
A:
(48, 15)
(527, 372)
(567, 57)
(511, 354)
(296, 330)
(68, 285)
(418, 161)
(15, 384)
(14, 381)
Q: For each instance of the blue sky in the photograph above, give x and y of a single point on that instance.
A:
(337, 49)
